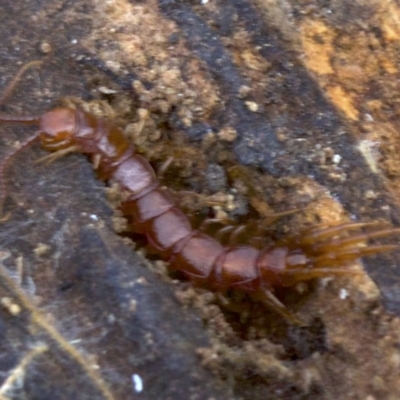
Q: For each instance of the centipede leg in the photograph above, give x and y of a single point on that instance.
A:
(321, 232)
(164, 167)
(324, 266)
(208, 222)
(227, 233)
(266, 297)
(227, 304)
(353, 241)
(349, 255)
(306, 275)
(224, 232)
(50, 158)
(271, 217)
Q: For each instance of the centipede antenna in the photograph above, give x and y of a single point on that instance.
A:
(23, 119)
(4, 164)
(10, 87)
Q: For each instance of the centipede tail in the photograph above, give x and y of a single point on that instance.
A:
(317, 252)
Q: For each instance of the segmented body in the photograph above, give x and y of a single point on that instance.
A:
(317, 252)
(153, 211)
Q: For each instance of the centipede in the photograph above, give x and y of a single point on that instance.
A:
(316, 252)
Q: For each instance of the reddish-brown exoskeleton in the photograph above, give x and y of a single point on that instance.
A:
(317, 252)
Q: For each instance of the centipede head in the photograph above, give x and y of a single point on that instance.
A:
(58, 128)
